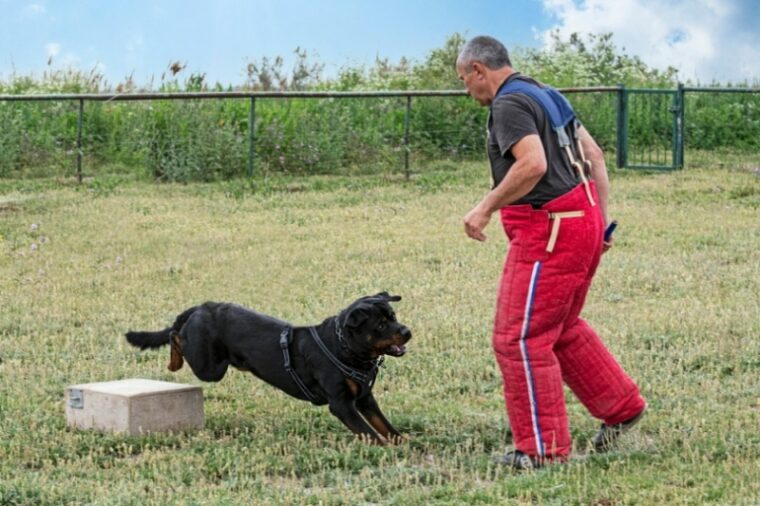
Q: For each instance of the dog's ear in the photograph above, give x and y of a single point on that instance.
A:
(386, 296)
(356, 317)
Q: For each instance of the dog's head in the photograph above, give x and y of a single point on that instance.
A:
(371, 328)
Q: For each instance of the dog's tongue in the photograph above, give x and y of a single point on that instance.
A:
(397, 350)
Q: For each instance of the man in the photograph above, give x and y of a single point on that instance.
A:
(553, 206)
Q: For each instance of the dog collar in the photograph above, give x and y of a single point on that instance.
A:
(350, 372)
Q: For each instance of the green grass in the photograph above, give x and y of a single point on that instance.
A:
(676, 300)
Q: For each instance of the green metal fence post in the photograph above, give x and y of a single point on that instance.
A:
(251, 138)
(406, 134)
(622, 127)
(680, 126)
(79, 140)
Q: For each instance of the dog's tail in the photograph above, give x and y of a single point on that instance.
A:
(144, 340)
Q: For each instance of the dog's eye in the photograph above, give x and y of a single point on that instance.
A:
(381, 326)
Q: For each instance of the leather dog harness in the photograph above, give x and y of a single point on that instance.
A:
(363, 378)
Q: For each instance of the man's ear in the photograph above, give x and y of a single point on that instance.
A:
(479, 68)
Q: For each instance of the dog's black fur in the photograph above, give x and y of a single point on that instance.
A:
(213, 336)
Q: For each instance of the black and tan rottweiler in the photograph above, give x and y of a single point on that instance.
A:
(332, 363)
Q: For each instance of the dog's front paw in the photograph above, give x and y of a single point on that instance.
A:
(398, 439)
(373, 439)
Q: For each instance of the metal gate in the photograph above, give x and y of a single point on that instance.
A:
(650, 128)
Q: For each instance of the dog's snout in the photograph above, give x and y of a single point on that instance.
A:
(406, 333)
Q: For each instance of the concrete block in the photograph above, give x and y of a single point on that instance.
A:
(134, 406)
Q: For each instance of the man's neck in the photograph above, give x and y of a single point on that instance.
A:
(498, 77)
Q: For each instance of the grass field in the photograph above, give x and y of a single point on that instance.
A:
(676, 300)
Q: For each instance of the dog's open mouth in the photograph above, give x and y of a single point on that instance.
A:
(396, 350)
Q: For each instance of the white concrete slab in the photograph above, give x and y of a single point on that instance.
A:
(134, 406)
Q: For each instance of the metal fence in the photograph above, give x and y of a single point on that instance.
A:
(224, 134)
(163, 120)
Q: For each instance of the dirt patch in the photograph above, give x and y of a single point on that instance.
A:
(9, 207)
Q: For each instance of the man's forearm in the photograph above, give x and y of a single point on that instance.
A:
(599, 175)
(519, 181)
(598, 169)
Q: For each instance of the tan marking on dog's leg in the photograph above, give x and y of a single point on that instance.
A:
(381, 428)
(175, 360)
(352, 386)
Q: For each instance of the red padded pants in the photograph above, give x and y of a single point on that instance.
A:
(540, 340)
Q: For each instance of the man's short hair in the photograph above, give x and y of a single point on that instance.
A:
(486, 50)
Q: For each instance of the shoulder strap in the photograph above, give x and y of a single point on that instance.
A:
(561, 116)
(554, 104)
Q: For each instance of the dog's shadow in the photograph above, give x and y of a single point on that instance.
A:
(314, 426)
(317, 428)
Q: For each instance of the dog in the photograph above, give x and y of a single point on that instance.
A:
(333, 363)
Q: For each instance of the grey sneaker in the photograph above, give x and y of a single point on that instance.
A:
(608, 435)
(519, 461)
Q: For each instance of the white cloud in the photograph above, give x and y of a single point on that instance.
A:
(68, 59)
(135, 43)
(52, 49)
(71, 60)
(100, 67)
(35, 9)
(701, 38)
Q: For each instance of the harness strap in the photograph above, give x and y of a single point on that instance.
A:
(557, 217)
(343, 368)
(287, 332)
(367, 378)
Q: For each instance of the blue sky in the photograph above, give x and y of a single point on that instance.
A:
(706, 39)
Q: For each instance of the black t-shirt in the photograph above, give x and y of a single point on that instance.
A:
(512, 117)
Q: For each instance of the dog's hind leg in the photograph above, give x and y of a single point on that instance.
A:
(175, 359)
(206, 356)
(371, 411)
